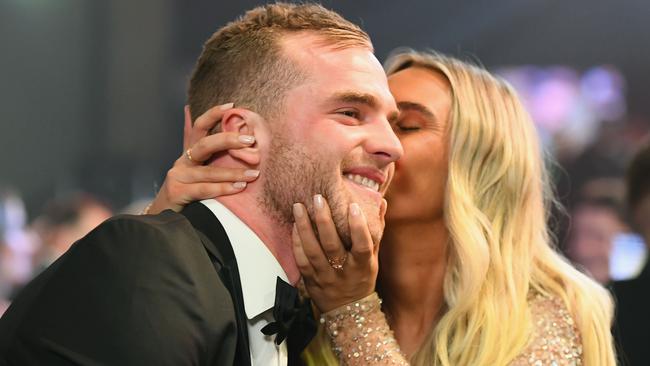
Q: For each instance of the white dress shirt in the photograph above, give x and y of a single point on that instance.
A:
(258, 270)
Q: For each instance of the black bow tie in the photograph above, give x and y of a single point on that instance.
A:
(294, 319)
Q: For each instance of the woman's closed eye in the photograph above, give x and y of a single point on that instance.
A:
(407, 126)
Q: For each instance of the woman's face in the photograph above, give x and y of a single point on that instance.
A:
(418, 187)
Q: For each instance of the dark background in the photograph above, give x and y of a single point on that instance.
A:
(92, 92)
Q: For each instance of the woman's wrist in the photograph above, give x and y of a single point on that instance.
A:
(360, 333)
(348, 309)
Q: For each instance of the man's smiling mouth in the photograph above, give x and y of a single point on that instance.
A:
(363, 181)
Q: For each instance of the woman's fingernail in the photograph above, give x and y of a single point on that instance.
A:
(318, 201)
(252, 173)
(239, 185)
(226, 106)
(354, 209)
(246, 139)
(297, 210)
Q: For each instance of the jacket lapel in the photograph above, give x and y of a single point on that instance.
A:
(220, 251)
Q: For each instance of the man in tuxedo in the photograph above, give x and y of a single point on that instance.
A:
(632, 323)
(197, 288)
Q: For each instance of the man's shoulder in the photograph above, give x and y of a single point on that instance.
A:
(144, 244)
(149, 275)
(166, 228)
(164, 223)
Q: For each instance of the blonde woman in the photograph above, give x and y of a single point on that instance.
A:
(468, 272)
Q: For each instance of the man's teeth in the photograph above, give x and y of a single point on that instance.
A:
(363, 181)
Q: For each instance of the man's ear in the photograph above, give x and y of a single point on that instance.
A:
(244, 122)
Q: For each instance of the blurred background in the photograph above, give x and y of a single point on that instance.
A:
(92, 96)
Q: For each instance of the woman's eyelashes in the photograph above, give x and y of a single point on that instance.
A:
(405, 126)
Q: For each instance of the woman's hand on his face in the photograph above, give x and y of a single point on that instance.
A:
(334, 276)
(189, 180)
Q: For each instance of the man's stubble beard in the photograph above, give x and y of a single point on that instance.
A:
(294, 175)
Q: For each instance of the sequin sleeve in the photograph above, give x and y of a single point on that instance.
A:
(360, 334)
(555, 339)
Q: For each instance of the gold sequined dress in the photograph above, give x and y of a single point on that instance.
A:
(360, 335)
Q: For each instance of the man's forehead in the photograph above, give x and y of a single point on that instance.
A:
(345, 71)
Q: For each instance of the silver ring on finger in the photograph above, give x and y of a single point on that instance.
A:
(337, 262)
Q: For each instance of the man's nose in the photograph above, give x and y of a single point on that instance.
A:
(383, 144)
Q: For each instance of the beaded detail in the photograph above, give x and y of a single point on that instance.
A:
(360, 334)
(555, 339)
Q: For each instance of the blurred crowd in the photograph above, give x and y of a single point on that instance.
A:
(28, 247)
(602, 192)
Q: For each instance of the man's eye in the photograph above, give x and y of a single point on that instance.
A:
(349, 113)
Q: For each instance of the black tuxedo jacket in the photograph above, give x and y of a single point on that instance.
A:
(632, 323)
(138, 290)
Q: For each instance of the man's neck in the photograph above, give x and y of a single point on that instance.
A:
(275, 236)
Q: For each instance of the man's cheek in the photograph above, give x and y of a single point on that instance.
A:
(389, 179)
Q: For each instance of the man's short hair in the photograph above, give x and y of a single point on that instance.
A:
(243, 62)
(638, 178)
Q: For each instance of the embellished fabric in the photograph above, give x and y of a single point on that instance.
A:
(555, 340)
(360, 334)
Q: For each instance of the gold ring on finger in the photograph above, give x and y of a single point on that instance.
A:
(337, 262)
(188, 153)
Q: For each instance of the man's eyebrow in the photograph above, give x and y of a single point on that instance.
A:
(411, 106)
(356, 98)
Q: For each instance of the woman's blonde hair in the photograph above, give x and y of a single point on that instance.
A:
(497, 206)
